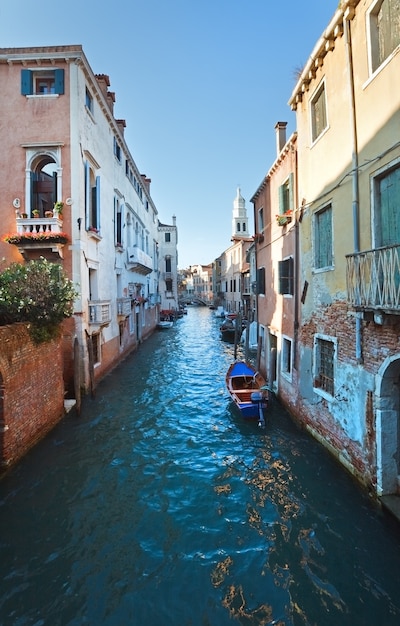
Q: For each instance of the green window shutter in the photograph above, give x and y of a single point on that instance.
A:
(291, 190)
(389, 201)
(281, 192)
(26, 82)
(59, 81)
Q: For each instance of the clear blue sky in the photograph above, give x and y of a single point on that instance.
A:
(201, 85)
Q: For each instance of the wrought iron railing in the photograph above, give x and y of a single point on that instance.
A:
(373, 278)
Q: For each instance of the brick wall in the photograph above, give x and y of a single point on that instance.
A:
(32, 389)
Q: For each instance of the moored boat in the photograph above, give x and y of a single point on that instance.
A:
(248, 390)
(163, 324)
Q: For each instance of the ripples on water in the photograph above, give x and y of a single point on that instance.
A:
(161, 506)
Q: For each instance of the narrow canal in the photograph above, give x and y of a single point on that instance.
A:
(159, 506)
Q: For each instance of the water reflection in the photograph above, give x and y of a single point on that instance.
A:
(160, 505)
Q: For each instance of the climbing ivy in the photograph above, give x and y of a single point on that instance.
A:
(38, 293)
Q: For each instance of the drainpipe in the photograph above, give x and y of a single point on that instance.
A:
(348, 15)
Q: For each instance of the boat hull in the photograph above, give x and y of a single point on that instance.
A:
(247, 388)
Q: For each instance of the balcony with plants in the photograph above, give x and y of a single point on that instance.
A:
(39, 236)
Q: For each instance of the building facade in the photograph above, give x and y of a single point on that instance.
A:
(168, 260)
(341, 375)
(64, 146)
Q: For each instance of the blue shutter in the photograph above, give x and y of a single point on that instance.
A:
(59, 81)
(26, 82)
(98, 201)
(87, 195)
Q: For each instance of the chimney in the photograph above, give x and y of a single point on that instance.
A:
(174, 220)
(146, 181)
(104, 82)
(110, 100)
(280, 130)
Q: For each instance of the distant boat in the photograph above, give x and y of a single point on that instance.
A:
(163, 324)
(219, 311)
(248, 390)
(228, 330)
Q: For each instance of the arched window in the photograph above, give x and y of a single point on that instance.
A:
(43, 184)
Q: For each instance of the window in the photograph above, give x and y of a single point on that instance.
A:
(118, 222)
(92, 199)
(386, 205)
(286, 196)
(42, 82)
(384, 24)
(88, 100)
(168, 264)
(261, 280)
(117, 150)
(167, 237)
(286, 361)
(168, 284)
(286, 281)
(43, 184)
(95, 339)
(318, 112)
(324, 359)
(260, 220)
(323, 244)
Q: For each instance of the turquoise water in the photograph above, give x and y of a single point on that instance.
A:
(160, 506)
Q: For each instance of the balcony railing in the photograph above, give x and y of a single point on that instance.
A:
(99, 312)
(38, 225)
(124, 307)
(373, 279)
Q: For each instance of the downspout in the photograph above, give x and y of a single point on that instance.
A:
(355, 188)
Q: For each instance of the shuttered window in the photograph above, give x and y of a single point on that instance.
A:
(42, 82)
(261, 280)
(387, 208)
(286, 196)
(323, 245)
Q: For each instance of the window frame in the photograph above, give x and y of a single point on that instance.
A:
(320, 374)
(316, 132)
(286, 357)
(375, 61)
(30, 78)
(286, 283)
(317, 239)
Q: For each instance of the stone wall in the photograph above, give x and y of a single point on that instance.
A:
(31, 391)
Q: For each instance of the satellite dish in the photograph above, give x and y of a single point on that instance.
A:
(16, 203)
(69, 201)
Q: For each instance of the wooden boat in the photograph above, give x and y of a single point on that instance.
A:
(248, 390)
(228, 330)
(163, 324)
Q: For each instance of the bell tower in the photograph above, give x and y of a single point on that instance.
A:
(240, 227)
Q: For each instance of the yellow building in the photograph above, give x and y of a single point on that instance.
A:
(347, 105)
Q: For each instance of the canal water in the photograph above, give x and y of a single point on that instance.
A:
(160, 506)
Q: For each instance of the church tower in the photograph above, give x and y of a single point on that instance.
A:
(240, 227)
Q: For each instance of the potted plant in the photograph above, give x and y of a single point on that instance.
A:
(58, 209)
(35, 213)
(48, 214)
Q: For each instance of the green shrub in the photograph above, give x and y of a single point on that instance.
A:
(38, 293)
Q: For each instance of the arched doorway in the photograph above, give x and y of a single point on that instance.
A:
(388, 426)
(43, 184)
